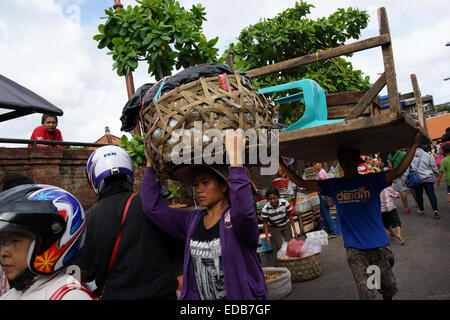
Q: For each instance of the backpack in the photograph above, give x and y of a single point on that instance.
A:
(413, 180)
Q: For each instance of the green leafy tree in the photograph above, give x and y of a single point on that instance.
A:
(160, 32)
(135, 148)
(291, 34)
(174, 192)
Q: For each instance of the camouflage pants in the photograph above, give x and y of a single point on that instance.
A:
(380, 259)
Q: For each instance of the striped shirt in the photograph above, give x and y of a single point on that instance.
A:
(277, 217)
(387, 203)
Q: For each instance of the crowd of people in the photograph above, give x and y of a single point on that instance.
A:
(122, 244)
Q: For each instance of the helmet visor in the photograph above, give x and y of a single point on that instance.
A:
(10, 232)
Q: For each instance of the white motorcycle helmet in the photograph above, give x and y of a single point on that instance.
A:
(107, 161)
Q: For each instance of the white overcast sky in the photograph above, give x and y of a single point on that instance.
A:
(47, 46)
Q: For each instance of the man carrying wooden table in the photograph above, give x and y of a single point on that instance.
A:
(357, 200)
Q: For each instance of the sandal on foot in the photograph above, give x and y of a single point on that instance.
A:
(406, 211)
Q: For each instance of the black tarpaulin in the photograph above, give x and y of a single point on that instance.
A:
(23, 101)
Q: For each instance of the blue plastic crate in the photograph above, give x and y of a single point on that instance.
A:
(264, 247)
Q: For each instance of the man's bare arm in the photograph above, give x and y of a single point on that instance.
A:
(392, 174)
(307, 184)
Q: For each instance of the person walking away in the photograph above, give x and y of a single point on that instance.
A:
(41, 233)
(441, 154)
(125, 253)
(357, 200)
(277, 219)
(331, 226)
(389, 214)
(337, 170)
(394, 160)
(47, 131)
(221, 241)
(425, 165)
(445, 170)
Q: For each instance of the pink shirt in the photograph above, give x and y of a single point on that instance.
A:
(322, 175)
(387, 203)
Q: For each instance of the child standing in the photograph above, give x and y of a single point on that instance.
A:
(277, 219)
(389, 213)
(444, 169)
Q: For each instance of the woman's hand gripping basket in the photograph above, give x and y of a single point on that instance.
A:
(186, 125)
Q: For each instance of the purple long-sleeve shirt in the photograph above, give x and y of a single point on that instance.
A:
(244, 278)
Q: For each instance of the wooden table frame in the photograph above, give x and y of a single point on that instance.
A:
(395, 121)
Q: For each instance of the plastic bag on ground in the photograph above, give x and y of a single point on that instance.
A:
(294, 248)
(310, 247)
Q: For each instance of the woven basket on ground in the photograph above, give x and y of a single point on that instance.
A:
(226, 102)
(302, 269)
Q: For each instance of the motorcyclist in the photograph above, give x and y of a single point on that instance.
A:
(41, 232)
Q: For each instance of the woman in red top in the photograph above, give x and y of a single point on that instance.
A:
(47, 131)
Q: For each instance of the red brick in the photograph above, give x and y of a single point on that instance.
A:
(58, 167)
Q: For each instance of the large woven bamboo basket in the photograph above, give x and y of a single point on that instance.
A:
(302, 269)
(226, 102)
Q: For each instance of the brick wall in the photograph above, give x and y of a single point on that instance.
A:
(58, 167)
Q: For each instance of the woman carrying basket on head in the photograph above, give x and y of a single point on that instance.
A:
(220, 258)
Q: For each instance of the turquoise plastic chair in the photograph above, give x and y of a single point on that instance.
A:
(316, 113)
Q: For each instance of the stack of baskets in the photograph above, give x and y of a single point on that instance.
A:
(311, 173)
(221, 102)
(302, 204)
(303, 268)
(313, 198)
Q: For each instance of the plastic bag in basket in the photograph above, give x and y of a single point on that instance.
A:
(294, 248)
(321, 237)
(310, 247)
(281, 254)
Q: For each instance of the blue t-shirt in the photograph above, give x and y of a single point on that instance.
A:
(359, 209)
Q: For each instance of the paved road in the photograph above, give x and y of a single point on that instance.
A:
(422, 266)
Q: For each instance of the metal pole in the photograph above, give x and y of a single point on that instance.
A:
(129, 79)
(52, 142)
